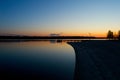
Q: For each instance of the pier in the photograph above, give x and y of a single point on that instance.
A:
(97, 60)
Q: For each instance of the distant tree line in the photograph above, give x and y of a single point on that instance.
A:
(111, 35)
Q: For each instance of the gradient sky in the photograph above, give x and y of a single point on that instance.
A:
(69, 17)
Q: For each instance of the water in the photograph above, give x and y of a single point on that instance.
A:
(37, 60)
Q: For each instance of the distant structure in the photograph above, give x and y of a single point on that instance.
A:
(55, 35)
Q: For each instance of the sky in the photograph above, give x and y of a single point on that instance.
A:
(67, 17)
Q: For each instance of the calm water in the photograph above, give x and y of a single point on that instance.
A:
(40, 60)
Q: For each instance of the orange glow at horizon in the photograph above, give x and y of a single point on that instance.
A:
(65, 33)
(69, 34)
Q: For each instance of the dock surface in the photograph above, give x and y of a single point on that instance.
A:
(97, 60)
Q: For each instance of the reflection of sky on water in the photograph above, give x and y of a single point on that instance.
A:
(55, 61)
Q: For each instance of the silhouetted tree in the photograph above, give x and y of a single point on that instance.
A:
(110, 35)
(119, 35)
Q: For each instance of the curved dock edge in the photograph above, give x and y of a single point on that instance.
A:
(93, 60)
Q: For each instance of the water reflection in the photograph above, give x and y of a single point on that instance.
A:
(37, 60)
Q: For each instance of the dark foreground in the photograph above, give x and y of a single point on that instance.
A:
(97, 60)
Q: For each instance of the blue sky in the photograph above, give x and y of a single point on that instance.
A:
(69, 17)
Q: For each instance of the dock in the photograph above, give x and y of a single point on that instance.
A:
(97, 60)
